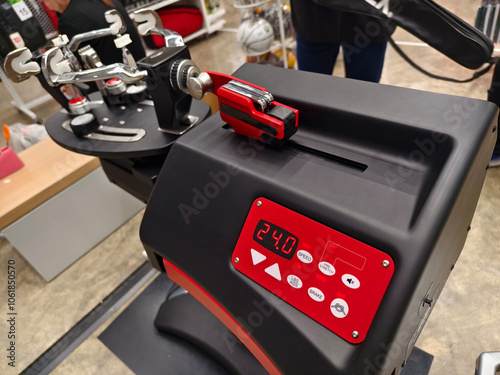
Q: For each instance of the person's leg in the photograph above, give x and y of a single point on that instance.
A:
(318, 58)
(364, 63)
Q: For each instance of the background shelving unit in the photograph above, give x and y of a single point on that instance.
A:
(282, 40)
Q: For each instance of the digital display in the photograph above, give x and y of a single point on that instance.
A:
(275, 239)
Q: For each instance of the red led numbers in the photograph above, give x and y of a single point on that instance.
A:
(262, 231)
(275, 239)
(290, 244)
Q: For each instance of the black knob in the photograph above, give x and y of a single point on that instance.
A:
(180, 72)
(84, 124)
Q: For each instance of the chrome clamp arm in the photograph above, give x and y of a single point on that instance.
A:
(18, 65)
(118, 70)
(58, 71)
(148, 22)
(117, 27)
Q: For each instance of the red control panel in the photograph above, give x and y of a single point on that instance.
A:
(333, 278)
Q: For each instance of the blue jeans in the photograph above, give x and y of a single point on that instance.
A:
(364, 62)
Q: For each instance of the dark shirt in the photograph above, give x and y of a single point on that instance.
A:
(86, 15)
(319, 24)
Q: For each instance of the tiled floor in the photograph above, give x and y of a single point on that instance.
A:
(464, 323)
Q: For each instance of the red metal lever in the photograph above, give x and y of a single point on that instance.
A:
(252, 111)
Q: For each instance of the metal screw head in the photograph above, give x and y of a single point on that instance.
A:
(199, 85)
(355, 334)
(259, 203)
(122, 122)
(139, 109)
(385, 263)
(123, 108)
(236, 260)
(105, 119)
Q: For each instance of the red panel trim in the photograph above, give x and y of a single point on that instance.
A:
(215, 308)
(324, 286)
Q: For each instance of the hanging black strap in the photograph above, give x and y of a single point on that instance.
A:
(476, 75)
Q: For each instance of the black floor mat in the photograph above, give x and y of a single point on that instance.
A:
(133, 338)
(418, 363)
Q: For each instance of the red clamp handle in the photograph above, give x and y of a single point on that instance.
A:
(252, 111)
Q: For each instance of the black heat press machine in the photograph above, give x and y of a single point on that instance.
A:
(318, 218)
(326, 254)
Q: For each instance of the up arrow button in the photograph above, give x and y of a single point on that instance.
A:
(257, 257)
(274, 271)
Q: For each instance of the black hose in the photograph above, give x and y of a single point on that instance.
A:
(476, 75)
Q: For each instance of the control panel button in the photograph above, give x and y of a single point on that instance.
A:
(294, 281)
(339, 308)
(304, 256)
(326, 268)
(257, 257)
(274, 271)
(316, 294)
(350, 281)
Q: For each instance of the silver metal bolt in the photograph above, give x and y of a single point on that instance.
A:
(122, 122)
(105, 119)
(259, 203)
(236, 260)
(198, 86)
(123, 108)
(385, 263)
(355, 334)
(139, 109)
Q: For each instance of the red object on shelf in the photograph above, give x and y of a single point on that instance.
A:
(52, 15)
(9, 162)
(184, 20)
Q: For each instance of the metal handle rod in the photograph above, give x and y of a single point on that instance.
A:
(282, 34)
(118, 70)
(80, 38)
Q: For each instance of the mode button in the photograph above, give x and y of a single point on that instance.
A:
(304, 256)
(316, 294)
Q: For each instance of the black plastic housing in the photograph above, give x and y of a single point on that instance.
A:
(171, 106)
(400, 170)
(136, 176)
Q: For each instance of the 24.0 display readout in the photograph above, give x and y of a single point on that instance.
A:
(275, 239)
